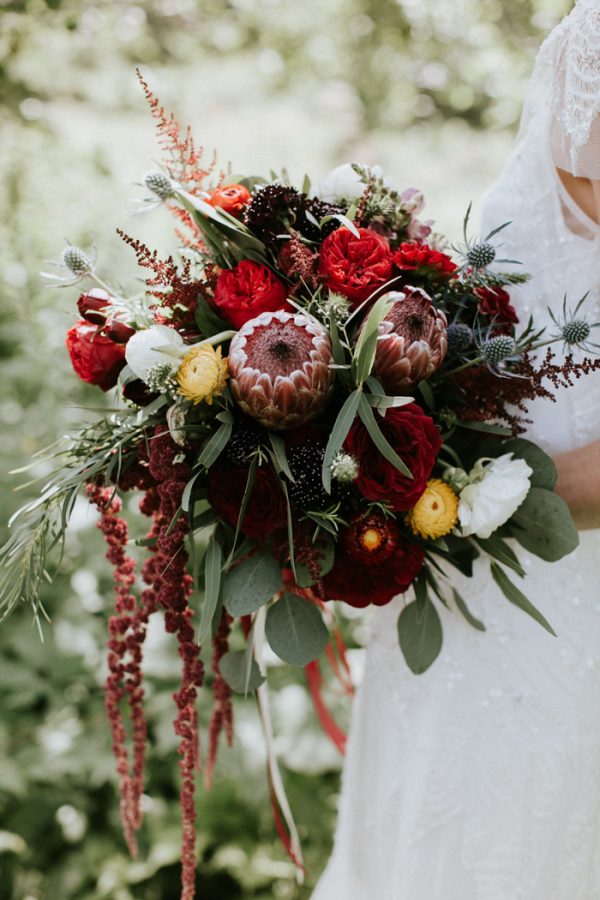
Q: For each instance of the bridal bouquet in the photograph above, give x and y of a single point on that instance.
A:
(320, 403)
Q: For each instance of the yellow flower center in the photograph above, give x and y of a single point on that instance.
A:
(436, 511)
(371, 539)
(202, 373)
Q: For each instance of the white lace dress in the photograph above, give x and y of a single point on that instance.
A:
(480, 780)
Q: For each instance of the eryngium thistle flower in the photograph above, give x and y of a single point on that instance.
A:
(412, 341)
(481, 255)
(280, 369)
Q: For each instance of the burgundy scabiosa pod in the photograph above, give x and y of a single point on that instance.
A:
(280, 369)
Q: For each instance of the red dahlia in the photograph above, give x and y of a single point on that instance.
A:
(95, 358)
(247, 290)
(414, 437)
(424, 260)
(355, 266)
(266, 512)
(374, 562)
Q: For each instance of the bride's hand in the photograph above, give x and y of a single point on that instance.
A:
(579, 484)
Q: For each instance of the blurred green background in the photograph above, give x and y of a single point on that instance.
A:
(429, 89)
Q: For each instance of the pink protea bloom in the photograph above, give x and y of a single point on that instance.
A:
(412, 341)
(280, 369)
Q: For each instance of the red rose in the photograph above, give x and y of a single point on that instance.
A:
(266, 512)
(91, 304)
(246, 291)
(359, 585)
(416, 440)
(424, 260)
(117, 331)
(95, 358)
(355, 266)
(232, 198)
(495, 303)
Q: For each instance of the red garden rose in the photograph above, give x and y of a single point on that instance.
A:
(94, 305)
(355, 266)
(247, 290)
(424, 260)
(233, 198)
(266, 512)
(495, 303)
(95, 358)
(415, 438)
(359, 581)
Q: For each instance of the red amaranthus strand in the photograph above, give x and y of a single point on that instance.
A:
(127, 631)
(171, 584)
(222, 715)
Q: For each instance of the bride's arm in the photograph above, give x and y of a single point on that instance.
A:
(579, 484)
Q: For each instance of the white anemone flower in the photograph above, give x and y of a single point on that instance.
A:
(154, 346)
(496, 490)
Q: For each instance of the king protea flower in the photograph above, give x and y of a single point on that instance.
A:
(279, 364)
(412, 341)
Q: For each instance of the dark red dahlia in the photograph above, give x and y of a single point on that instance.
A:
(373, 564)
(266, 512)
(417, 441)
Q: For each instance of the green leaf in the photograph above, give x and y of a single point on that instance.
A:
(364, 353)
(208, 321)
(345, 221)
(338, 434)
(278, 445)
(232, 667)
(375, 433)
(543, 525)
(427, 394)
(244, 506)
(213, 561)
(463, 608)
(544, 469)
(295, 630)
(384, 401)
(215, 445)
(251, 584)
(187, 492)
(336, 345)
(420, 634)
(500, 550)
(486, 427)
(512, 593)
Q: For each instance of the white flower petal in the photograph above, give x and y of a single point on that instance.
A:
(490, 500)
(154, 345)
(343, 182)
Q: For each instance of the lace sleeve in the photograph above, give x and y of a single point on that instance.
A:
(575, 132)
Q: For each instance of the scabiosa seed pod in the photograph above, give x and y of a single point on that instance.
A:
(497, 349)
(460, 338)
(280, 369)
(412, 341)
(481, 255)
(159, 183)
(243, 444)
(78, 262)
(576, 332)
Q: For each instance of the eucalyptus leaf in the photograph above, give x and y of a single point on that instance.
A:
(213, 561)
(512, 593)
(420, 635)
(486, 427)
(544, 470)
(295, 630)
(251, 583)
(543, 525)
(208, 321)
(215, 445)
(503, 552)
(366, 345)
(464, 609)
(342, 425)
(375, 433)
(232, 667)
(278, 445)
(427, 394)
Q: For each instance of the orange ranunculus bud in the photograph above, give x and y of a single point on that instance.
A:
(232, 198)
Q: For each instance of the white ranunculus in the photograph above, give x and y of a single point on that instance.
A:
(344, 182)
(153, 346)
(496, 491)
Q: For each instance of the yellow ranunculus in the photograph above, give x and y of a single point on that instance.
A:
(202, 373)
(436, 511)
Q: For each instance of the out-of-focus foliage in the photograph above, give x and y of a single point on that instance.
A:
(431, 90)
